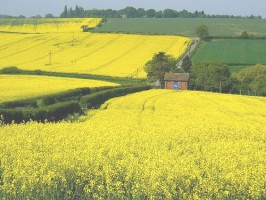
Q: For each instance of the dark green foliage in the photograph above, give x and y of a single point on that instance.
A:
(159, 65)
(10, 70)
(132, 12)
(55, 112)
(29, 103)
(251, 80)
(169, 13)
(46, 100)
(85, 28)
(186, 64)
(244, 35)
(94, 100)
(210, 77)
(119, 80)
(49, 15)
(60, 111)
(50, 107)
(202, 31)
(10, 115)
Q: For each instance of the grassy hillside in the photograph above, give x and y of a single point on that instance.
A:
(14, 87)
(185, 26)
(40, 25)
(236, 52)
(158, 144)
(119, 55)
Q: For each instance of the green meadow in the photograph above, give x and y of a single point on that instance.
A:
(184, 26)
(235, 52)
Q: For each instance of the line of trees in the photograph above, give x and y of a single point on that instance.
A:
(131, 12)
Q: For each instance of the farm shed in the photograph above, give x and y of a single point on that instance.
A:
(177, 81)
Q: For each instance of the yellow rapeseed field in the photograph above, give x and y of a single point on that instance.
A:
(157, 144)
(44, 25)
(122, 55)
(14, 87)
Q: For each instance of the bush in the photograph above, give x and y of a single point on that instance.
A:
(94, 100)
(244, 35)
(60, 111)
(52, 107)
(55, 112)
(30, 103)
(10, 70)
(10, 115)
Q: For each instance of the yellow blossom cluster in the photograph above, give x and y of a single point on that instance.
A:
(157, 144)
(14, 87)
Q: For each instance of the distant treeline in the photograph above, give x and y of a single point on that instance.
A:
(9, 16)
(131, 12)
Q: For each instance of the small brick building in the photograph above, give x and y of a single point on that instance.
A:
(177, 81)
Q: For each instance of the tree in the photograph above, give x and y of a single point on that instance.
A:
(169, 13)
(186, 64)
(202, 31)
(211, 77)
(244, 35)
(159, 14)
(158, 66)
(141, 12)
(150, 13)
(251, 79)
(49, 15)
(130, 12)
(64, 14)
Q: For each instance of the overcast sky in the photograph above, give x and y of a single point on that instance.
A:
(235, 7)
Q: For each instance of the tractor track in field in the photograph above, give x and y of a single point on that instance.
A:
(152, 108)
(8, 45)
(170, 46)
(27, 49)
(139, 44)
(110, 42)
(54, 52)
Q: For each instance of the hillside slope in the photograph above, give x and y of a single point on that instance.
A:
(16, 87)
(155, 144)
(120, 55)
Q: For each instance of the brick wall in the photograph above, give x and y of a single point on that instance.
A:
(170, 85)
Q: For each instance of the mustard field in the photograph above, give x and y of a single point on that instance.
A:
(15, 87)
(44, 25)
(120, 55)
(157, 144)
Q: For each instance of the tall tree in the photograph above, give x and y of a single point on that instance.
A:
(186, 64)
(158, 66)
(64, 14)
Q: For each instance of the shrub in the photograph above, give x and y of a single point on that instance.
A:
(10, 70)
(94, 100)
(55, 112)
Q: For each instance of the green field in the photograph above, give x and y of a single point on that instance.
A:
(232, 52)
(185, 26)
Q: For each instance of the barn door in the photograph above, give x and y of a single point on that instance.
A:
(176, 85)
